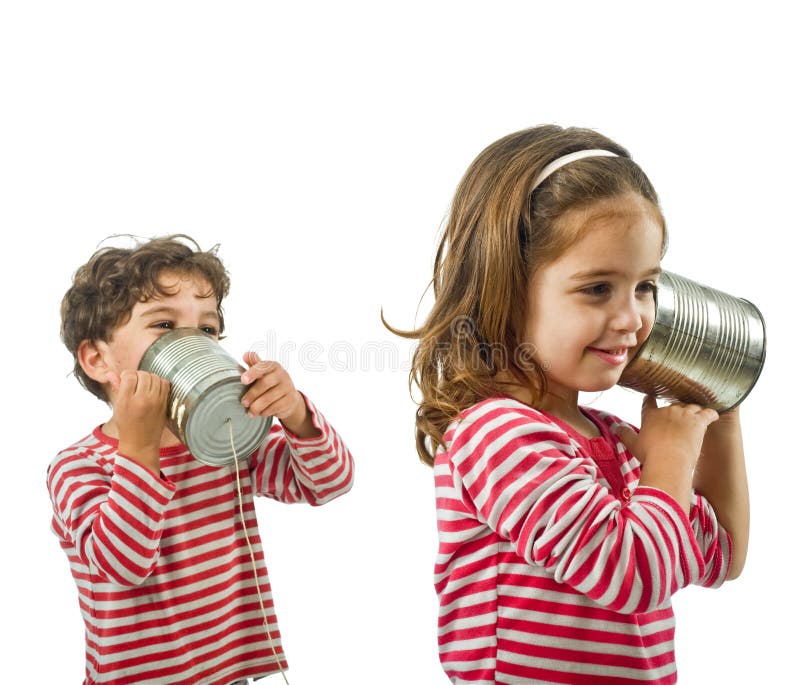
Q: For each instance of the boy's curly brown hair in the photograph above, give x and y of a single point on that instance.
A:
(105, 289)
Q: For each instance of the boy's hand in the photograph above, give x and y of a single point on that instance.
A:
(272, 393)
(140, 415)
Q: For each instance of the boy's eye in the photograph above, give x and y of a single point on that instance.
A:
(209, 330)
(164, 324)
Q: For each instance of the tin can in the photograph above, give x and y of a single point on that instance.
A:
(706, 347)
(205, 396)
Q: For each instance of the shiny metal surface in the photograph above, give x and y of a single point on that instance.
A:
(205, 392)
(706, 347)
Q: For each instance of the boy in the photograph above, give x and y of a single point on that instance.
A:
(156, 548)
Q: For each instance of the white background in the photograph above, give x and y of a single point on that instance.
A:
(320, 144)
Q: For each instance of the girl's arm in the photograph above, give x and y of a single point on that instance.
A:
(721, 478)
(509, 467)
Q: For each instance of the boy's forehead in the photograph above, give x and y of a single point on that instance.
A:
(172, 284)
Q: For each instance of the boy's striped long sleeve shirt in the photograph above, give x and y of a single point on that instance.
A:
(553, 566)
(164, 576)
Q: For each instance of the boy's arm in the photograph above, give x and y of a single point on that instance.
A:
(112, 516)
(304, 459)
(291, 468)
(721, 478)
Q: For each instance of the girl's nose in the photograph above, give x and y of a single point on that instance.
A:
(628, 315)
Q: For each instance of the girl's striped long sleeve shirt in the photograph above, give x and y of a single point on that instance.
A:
(553, 566)
(165, 581)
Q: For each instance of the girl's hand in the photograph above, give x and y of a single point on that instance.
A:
(140, 415)
(668, 446)
(272, 393)
(676, 429)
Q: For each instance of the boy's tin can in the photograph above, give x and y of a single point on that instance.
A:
(706, 347)
(205, 396)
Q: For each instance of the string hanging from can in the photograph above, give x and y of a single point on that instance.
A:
(252, 555)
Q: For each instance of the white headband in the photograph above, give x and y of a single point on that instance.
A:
(556, 164)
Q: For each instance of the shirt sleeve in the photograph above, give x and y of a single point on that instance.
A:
(112, 515)
(518, 473)
(714, 542)
(312, 470)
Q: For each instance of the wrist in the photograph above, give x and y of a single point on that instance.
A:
(148, 455)
(299, 422)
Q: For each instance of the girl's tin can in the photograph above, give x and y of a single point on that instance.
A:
(706, 347)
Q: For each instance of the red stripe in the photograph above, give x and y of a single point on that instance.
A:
(574, 529)
(184, 585)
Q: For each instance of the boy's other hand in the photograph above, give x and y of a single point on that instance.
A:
(140, 415)
(272, 393)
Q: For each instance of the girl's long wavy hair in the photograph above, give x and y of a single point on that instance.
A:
(497, 234)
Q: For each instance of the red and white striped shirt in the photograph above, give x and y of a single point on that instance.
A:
(164, 576)
(553, 566)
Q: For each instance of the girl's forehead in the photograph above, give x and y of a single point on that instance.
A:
(630, 205)
(610, 238)
(594, 221)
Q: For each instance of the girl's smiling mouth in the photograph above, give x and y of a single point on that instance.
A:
(614, 356)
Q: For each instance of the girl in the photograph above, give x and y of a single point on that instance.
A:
(563, 532)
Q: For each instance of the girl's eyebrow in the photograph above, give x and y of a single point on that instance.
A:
(605, 273)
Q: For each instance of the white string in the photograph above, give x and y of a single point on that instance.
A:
(252, 556)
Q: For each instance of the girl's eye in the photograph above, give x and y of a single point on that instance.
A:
(164, 324)
(209, 330)
(647, 287)
(597, 290)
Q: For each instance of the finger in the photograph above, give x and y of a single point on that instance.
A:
(250, 358)
(281, 408)
(163, 389)
(114, 381)
(709, 415)
(259, 370)
(649, 403)
(267, 403)
(144, 383)
(128, 382)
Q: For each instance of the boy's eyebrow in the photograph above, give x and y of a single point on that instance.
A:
(605, 273)
(166, 309)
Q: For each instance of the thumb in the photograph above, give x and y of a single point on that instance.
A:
(648, 403)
